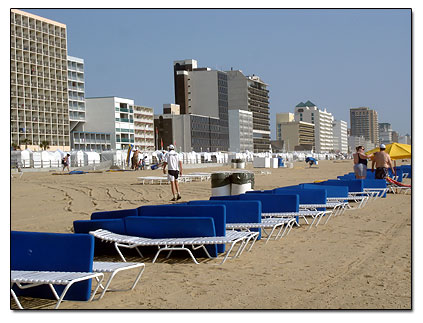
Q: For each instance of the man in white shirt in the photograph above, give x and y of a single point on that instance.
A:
(175, 169)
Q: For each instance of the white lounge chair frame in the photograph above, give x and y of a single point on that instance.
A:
(303, 213)
(266, 223)
(172, 244)
(336, 208)
(113, 268)
(27, 279)
(153, 180)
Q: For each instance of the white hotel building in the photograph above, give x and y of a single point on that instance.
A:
(38, 82)
(340, 136)
(126, 123)
(322, 120)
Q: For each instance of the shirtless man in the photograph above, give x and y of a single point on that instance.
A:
(383, 163)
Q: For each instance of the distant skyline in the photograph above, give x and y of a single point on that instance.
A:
(336, 58)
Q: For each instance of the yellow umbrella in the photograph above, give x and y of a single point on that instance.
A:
(395, 151)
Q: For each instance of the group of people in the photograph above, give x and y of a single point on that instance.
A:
(136, 162)
(380, 159)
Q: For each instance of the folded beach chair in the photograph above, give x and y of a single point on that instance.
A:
(397, 187)
(314, 200)
(356, 192)
(153, 180)
(273, 206)
(197, 177)
(63, 263)
(247, 216)
(283, 205)
(26, 279)
(172, 244)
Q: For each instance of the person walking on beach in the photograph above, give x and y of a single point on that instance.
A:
(360, 163)
(383, 162)
(65, 162)
(175, 169)
(135, 160)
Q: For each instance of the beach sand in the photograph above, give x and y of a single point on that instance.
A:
(358, 260)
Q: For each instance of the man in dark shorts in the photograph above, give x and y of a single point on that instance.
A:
(383, 163)
(175, 169)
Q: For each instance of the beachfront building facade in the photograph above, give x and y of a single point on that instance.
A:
(295, 135)
(143, 128)
(406, 139)
(39, 111)
(203, 92)
(355, 141)
(240, 131)
(364, 122)
(323, 125)
(76, 88)
(187, 132)
(385, 133)
(340, 136)
(250, 93)
(282, 118)
(114, 116)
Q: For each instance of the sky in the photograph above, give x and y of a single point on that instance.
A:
(336, 58)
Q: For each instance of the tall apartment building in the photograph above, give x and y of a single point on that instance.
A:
(355, 141)
(385, 133)
(79, 137)
(395, 136)
(143, 128)
(240, 131)
(187, 132)
(280, 119)
(364, 122)
(406, 139)
(114, 116)
(250, 93)
(39, 108)
(76, 86)
(203, 92)
(322, 120)
(295, 135)
(340, 136)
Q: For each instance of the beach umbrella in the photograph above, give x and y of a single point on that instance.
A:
(395, 151)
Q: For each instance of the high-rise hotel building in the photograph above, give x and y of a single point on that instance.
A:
(364, 122)
(38, 82)
(250, 93)
(76, 86)
(322, 120)
(203, 94)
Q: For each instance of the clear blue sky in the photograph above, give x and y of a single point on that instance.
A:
(338, 59)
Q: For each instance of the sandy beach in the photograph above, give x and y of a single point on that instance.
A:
(358, 260)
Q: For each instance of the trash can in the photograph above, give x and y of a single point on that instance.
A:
(241, 182)
(221, 183)
(233, 163)
(280, 162)
(240, 163)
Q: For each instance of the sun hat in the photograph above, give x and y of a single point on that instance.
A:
(171, 147)
(382, 146)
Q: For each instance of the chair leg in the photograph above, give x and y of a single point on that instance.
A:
(106, 287)
(15, 298)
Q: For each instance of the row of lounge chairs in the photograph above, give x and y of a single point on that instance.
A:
(63, 265)
(193, 177)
